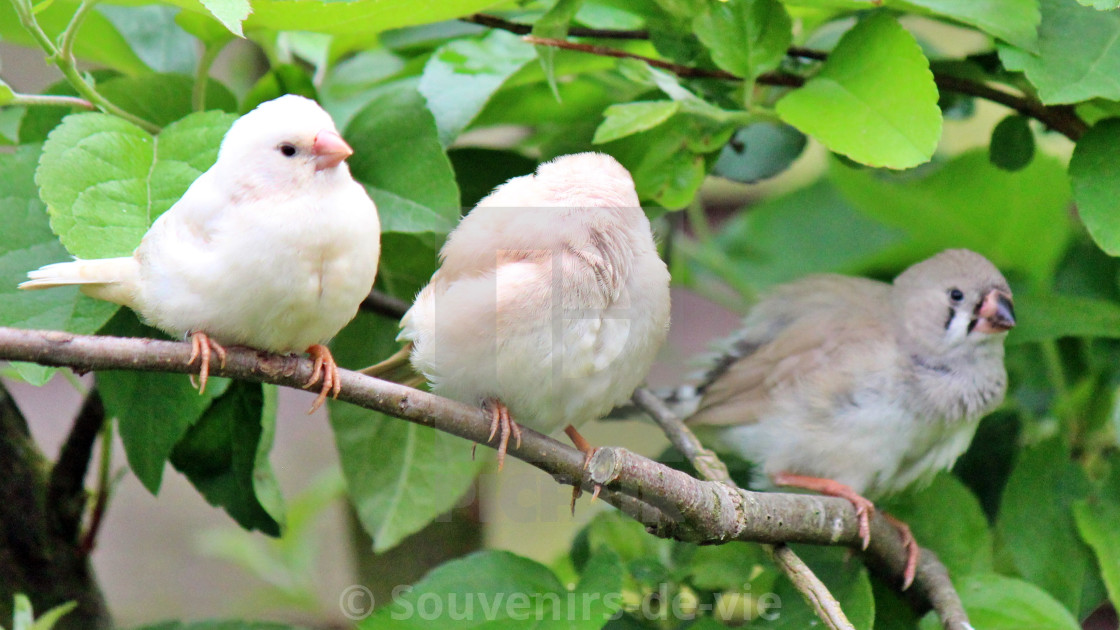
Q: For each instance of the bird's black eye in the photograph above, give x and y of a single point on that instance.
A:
(288, 149)
(956, 295)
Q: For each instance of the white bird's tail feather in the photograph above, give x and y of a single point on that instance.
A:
(111, 279)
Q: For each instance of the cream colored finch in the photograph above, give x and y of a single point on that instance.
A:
(274, 247)
(550, 303)
(853, 387)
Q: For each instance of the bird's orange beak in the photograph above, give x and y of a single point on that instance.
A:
(329, 149)
(996, 314)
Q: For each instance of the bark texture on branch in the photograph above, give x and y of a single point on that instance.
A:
(40, 550)
(670, 503)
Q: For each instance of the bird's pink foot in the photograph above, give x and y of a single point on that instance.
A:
(832, 488)
(588, 451)
(913, 552)
(324, 369)
(201, 347)
(502, 426)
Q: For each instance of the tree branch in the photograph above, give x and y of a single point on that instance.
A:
(37, 558)
(493, 21)
(66, 493)
(685, 508)
(712, 468)
(1060, 118)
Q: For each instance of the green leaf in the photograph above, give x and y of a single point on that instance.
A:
(553, 25)
(1100, 5)
(26, 243)
(1036, 506)
(6, 93)
(1014, 21)
(879, 94)
(1018, 220)
(725, 567)
(204, 27)
(669, 162)
(164, 98)
(1012, 146)
(225, 455)
(407, 263)
(281, 78)
(1049, 316)
(419, 472)
(598, 587)
(421, 192)
(996, 602)
(621, 535)
(222, 625)
(287, 567)
(1068, 69)
(745, 37)
(505, 590)
(99, 41)
(828, 234)
(759, 151)
(231, 13)
(1094, 172)
(479, 171)
(38, 122)
(354, 17)
(462, 75)
(623, 119)
(1098, 522)
(49, 619)
(152, 30)
(106, 180)
(946, 517)
(153, 409)
(22, 613)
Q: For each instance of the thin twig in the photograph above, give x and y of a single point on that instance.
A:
(493, 21)
(384, 304)
(707, 463)
(1060, 118)
(670, 503)
(712, 468)
(603, 51)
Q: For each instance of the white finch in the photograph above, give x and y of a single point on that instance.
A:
(551, 301)
(853, 387)
(274, 247)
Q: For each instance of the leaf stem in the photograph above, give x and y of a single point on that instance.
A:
(66, 45)
(48, 100)
(64, 59)
(202, 73)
